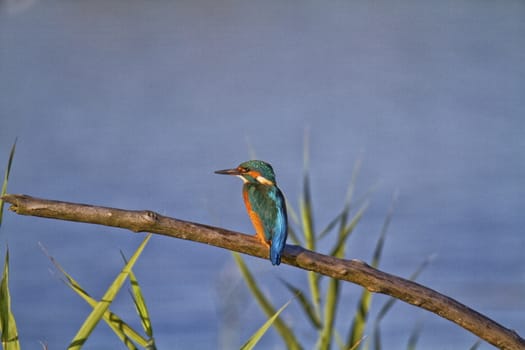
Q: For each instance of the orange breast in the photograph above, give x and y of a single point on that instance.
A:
(256, 221)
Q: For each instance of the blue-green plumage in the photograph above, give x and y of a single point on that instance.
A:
(268, 204)
(265, 204)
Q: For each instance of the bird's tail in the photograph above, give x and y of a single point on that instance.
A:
(276, 250)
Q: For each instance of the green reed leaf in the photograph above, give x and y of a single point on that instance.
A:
(140, 303)
(8, 328)
(102, 306)
(267, 307)
(305, 304)
(125, 333)
(254, 339)
(476, 345)
(6, 179)
(330, 308)
(414, 337)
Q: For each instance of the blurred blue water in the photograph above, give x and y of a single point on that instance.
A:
(134, 104)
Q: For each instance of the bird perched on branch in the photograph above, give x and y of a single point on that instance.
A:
(265, 204)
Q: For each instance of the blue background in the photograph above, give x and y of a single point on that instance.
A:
(134, 104)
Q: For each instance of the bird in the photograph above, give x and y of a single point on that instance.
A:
(265, 204)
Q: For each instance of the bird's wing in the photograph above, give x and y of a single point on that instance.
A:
(267, 203)
(281, 230)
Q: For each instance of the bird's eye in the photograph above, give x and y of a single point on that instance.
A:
(242, 170)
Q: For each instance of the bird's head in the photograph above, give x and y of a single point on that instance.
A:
(254, 171)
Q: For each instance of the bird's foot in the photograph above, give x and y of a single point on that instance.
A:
(263, 241)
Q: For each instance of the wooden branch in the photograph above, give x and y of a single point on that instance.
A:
(354, 271)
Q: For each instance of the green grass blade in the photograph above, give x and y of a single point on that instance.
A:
(283, 330)
(140, 305)
(342, 217)
(414, 337)
(292, 214)
(339, 340)
(125, 333)
(332, 293)
(331, 225)
(102, 306)
(292, 235)
(333, 290)
(307, 224)
(339, 247)
(357, 344)
(476, 345)
(305, 202)
(7, 320)
(332, 298)
(313, 282)
(350, 194)
(359, 322)
(6, 179)
(381, 242)
(142, 311)
(305, 304)
(361, 316)
(254, 339)
(140, 302)
(307, 212)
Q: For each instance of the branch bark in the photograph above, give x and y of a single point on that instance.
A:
(353, 271)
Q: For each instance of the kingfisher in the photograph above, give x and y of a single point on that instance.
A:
(265, 204)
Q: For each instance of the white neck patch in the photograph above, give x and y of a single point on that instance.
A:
(263, 180)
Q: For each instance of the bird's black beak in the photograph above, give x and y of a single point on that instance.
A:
(229, 172)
